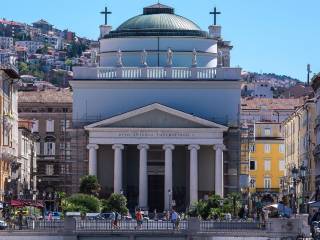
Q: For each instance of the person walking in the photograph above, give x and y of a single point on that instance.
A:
(139, 219)
(175, 219)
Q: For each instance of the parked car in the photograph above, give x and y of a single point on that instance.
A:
(3, 225)
(107, 216)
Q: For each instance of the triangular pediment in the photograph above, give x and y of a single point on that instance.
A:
(155, 116)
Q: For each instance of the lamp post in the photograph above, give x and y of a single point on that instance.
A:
(294, 174)
(303, 170)
(169, 200)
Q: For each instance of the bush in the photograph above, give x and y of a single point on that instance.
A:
(81, 203)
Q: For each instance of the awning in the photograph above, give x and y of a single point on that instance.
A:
(26, 203)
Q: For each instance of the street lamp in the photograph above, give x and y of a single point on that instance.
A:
(294, 174)
(169, 200)
(303, 171)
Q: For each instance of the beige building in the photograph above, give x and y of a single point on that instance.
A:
(300, 141)
(316, 88)
(8, 123)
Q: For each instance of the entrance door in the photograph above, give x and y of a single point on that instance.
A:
(156, 192)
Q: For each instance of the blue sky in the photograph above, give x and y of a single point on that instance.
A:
(280, 36)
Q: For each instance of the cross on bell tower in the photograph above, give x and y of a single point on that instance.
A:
(106, 13)
(215, 13)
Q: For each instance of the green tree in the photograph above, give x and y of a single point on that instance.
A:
(89, 185)
(81, 203)
(115, 203)
(23, 68)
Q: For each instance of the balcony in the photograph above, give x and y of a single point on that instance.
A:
(8, 153)
(317, 121)
(156, 73)
(267, 190)
(8, 63)
(316, 152)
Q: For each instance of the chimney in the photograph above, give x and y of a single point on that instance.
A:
(105, 30)
(215, 31)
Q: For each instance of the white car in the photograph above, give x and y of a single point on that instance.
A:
(3, 225)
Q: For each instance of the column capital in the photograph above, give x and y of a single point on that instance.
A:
(221, 147)
(93, 146)
(143, 146)
(168, 146)
(194, 146)
(117, 146)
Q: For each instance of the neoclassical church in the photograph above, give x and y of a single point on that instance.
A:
(161, 111)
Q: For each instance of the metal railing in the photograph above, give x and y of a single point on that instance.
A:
(207, 226)
(44, 225)
(130, 225)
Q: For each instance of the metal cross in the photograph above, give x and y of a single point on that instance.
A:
(215, 13)
(106, 13)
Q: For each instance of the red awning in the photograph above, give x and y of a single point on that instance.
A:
(26, 203)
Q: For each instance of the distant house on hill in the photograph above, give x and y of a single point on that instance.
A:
(297, 91)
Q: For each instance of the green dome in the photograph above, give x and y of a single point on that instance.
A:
(161, 21)
(157, 20)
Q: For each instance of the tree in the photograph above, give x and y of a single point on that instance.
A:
(23, 68)
(115, 203)
(81, 203)
(89, 185)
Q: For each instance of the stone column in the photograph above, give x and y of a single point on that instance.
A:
(193, 172)
(117, 174)
(168, 176)
(93, 158)
(143, 176)
(219, 169)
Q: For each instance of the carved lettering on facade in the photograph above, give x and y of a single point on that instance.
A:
(156, 134)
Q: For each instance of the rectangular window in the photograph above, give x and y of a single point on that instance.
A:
(267, 165)
(50, 126)
(252, 165)
(267, 182)
(49, 169)
(64, 124)
(267, 132)
(281, 148)
(282, 165)
(267, 148)
(35, 126)
(49, 148)
(38, 148)
(64, 169)
(252, 148)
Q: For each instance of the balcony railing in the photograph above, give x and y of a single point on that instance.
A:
(316, 152)
(267, 190)
(8, 62)
(155, 73)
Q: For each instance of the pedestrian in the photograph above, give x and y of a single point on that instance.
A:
(20, 218)
(155, 215)
(116, 219)
(113, 219)
(175, 219)
(50, 216)
(139, 219)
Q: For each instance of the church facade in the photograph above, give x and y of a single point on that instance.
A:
(161, 111)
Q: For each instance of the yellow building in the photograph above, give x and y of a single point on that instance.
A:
(300, 141)
(8, 123)
(266, 158)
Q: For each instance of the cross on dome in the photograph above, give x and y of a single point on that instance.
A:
(105, 13)
(215, 13)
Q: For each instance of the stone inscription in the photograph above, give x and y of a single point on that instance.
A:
(156, 134)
